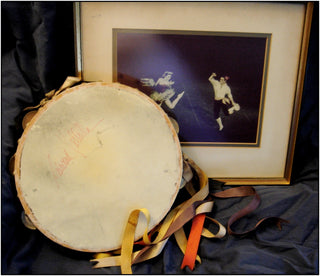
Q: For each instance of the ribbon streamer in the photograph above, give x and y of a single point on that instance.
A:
(193, 242)
(194, 209)
(128, 239)
(173, 224)
(244, 191)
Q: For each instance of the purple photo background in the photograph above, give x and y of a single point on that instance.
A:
(192, 58)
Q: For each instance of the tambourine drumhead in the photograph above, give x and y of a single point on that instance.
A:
(92, 155)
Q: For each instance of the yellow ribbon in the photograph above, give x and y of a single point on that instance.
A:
(128, 239)
(153, 248)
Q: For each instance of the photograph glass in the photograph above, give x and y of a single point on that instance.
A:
(212, 84)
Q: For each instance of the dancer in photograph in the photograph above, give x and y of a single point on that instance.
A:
(223, 100)
(163, 90)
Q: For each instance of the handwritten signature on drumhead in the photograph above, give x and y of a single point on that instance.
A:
(75, 136)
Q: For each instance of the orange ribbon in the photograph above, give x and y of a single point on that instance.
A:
(193, 241)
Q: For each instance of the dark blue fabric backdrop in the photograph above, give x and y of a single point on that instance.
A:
(37, 55)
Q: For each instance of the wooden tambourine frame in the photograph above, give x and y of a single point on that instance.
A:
(288, 25)
(74, 150)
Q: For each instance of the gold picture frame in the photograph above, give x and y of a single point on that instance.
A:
(287, 27)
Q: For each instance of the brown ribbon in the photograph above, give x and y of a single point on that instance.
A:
(245, 191)
(177, 224)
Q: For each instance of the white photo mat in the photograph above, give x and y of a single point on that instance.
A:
(289, 26)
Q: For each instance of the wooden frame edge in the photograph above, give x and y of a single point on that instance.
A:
(253, 181)
(77, 39)
(299, 90)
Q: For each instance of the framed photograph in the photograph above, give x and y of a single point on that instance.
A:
(174, 68)
(229, 75)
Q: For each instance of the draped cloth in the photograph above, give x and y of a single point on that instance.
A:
(37, 56)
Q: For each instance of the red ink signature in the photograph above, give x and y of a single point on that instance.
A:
(75, 135)
(61, 165)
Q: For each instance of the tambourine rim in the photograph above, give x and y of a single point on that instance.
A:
(41, 110)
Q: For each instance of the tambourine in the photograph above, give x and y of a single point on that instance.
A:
(89, 156)
(98, 169)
